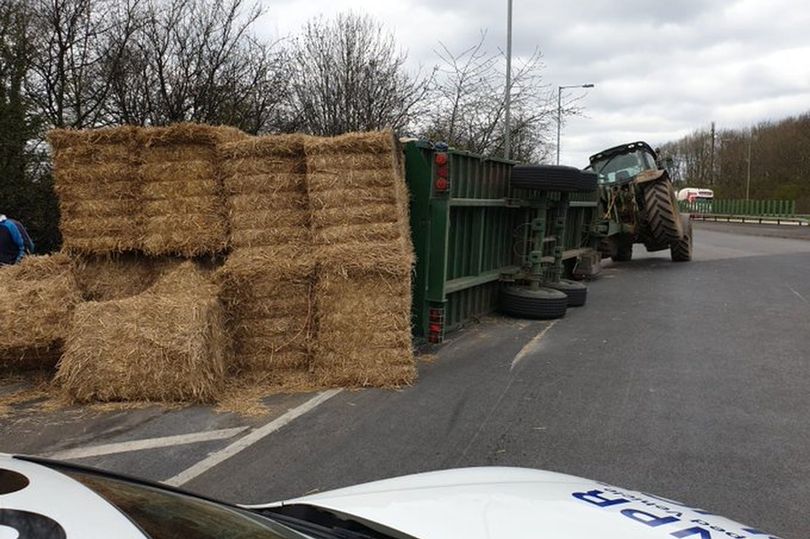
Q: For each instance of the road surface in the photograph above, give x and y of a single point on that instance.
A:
(686, 380)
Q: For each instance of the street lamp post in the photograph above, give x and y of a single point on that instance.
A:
(507, 140)
(559, 110)
(748, 175)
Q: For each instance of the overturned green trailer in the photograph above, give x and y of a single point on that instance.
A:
(474, 233)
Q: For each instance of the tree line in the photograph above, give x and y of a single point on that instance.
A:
(95, 63)
(778, 153)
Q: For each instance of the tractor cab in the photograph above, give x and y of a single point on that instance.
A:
(621, 164)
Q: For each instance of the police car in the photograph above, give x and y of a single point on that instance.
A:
(42, 499)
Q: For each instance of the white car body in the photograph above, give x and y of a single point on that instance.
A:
(471, 503)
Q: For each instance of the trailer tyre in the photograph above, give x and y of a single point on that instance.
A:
(577, 292)
(681, 250)
(541, 304)
(662, 213)
(552, 178)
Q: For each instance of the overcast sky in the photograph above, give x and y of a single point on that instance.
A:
(661, 69)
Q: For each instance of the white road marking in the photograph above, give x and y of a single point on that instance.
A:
(249, 439)
(531, 346)
(148, 443)
(799, 295)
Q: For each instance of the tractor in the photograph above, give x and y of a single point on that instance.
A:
(638, 204)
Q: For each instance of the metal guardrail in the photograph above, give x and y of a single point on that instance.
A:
(755, 208)
(753, 219)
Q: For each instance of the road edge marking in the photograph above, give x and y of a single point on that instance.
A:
(145, 443)
(249, 439)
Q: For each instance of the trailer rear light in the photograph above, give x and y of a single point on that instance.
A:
(442, 183)
(436, 325)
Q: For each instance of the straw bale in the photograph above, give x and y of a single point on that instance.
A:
(167, 344)
(266, 189)
(39, 294)
(96, 177)
(105, 278)
(364, 330)
(359, 203)
(267, 294)
(184, 212)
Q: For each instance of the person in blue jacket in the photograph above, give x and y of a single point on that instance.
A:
(14, 241)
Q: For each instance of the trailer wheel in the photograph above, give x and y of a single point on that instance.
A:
(681, 250)
(662, 212)
(577, 292)
(552, 178)
(542, 304)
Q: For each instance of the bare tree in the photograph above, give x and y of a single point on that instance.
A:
(194, 60)
(78, 43)
(468, 105)
(349, 76)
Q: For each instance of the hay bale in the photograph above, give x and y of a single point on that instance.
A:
(97, 180)
(363, 329)
(267, 294)
(183, 206)
(357, 194)
(167, 344)
(39, 294)
(109, 277)
(266, 191)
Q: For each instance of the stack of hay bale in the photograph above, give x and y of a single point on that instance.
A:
(316, 283)
(167, 344)
(267, 279)
(38, 296)
(182, 210)
(362, 245)
(97, 180)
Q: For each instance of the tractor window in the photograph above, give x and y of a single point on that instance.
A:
(620, 167)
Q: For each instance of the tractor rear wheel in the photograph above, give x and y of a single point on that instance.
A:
(661, 211)
(681, 250)
(577, 292)
(542, 304)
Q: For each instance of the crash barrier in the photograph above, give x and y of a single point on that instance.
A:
(469, 228)
(762, 220)
(783, 208)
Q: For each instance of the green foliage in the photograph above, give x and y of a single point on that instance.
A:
(779, 161)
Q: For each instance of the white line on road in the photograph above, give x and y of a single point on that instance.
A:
(148, 443)
(799, 295)
(531, 346)
(249, 439)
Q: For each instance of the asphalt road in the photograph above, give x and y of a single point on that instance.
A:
(686, 380)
